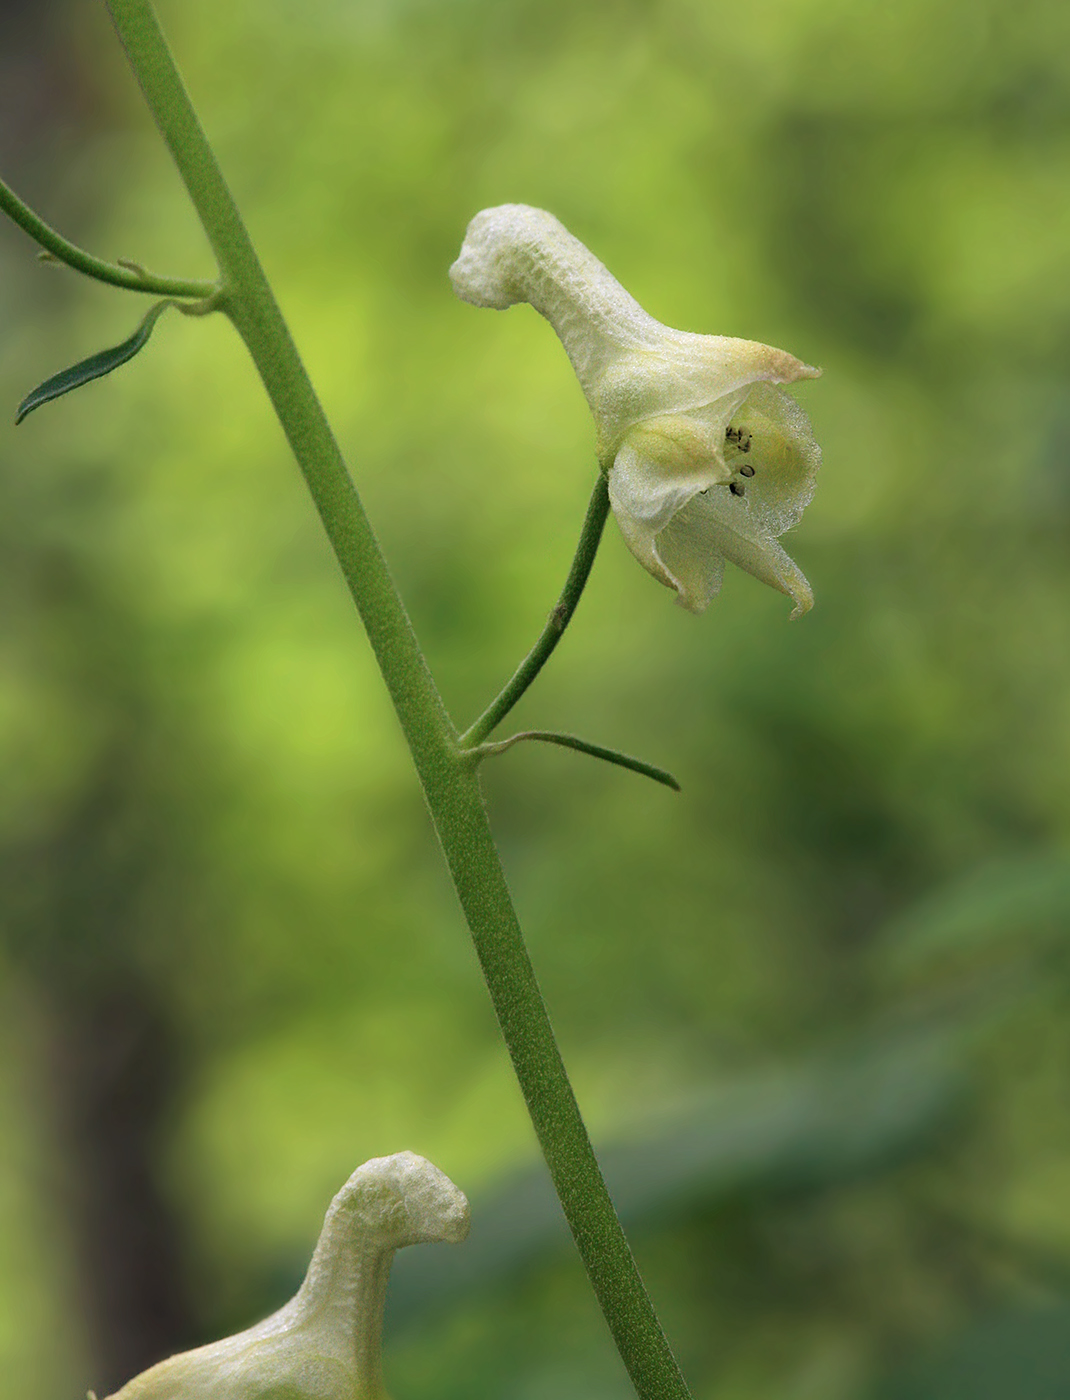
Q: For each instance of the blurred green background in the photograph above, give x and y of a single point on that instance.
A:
(816, 1005)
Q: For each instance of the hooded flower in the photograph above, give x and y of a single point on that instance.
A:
(707, 458)
(324, 1344)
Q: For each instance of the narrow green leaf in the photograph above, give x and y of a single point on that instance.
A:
(570, 741)
(95, 367)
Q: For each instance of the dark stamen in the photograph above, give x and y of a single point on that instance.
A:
(735, 488)
(746, 469)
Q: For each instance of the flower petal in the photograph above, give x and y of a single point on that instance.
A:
(783, 454)
(647, 491)
(689, 551)
(704, 376)
(723, 525)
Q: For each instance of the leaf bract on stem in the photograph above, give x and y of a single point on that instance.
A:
(571, 741)
(104, 361)
(189, 297)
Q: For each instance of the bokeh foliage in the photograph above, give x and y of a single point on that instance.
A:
(218, 871)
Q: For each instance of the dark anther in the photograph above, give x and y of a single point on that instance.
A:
(746, 469)
(735, 488)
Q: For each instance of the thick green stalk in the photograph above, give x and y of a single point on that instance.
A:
(450, 785)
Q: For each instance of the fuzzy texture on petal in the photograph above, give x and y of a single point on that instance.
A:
(682, 528)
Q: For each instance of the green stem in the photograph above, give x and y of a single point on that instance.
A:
(449, 782)
(537, 657)
(572, 741)
(131, 278)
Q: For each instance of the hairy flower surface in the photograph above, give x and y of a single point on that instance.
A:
(707, 458)
(325, 1343)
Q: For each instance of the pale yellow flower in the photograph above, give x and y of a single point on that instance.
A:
(324, 1344)
(707, 458)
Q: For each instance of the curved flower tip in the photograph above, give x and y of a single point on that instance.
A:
(325, 1343)
(708, 458)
